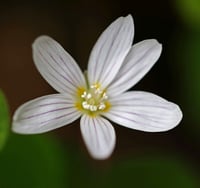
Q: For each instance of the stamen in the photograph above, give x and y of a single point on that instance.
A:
(93, 108)
(89, 95)
(84, 94)
(94, 99)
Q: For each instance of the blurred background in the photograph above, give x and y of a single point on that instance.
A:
(59, 159)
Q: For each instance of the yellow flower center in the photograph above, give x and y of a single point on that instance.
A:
(93, 100)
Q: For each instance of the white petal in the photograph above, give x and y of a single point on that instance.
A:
(144, 111)
(44, 114)
(57, 67)
(138, 62)
(99, 136)
(110, 50)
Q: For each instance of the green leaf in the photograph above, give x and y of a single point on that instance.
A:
(153, 172)
(33, 161)
(4, 120)
(157, 171)
(189, 10)
(185, 52)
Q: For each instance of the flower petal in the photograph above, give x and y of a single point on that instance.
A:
(144, 111)
(110, 50)
(57, 67)
(99, 136)
(44, 114)
(138, 62)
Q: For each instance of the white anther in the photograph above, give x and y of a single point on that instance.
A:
(85, 105)
(98, 91)
(105, 96)
(93, 108)
(101, 106)
(93, 86)
(89, 95)
(84, 94)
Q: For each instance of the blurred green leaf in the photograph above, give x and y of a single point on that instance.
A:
(185, 48)
(33, 161)
(144, 172)
(152, 172)
(4, 120)
(189, 11)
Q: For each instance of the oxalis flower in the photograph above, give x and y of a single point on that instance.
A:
(100, 94)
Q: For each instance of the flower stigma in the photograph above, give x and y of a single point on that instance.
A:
(93, 100)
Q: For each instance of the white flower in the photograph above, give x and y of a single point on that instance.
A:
(99, 94)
